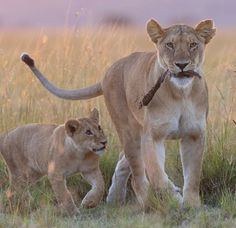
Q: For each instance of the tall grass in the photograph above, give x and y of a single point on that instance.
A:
(74, 59)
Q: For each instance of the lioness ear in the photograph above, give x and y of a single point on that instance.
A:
(95, 115)
(71, 127)
(205, 30)
(155, 31)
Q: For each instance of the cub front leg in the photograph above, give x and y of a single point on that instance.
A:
(94, 196)
(63, 195)
(191, 149)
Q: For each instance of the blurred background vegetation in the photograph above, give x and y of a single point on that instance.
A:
(73, 50)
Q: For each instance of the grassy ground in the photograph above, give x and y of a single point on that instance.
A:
(73, 59)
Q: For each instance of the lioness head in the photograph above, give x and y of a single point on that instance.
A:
(181, 47)
(86, 133)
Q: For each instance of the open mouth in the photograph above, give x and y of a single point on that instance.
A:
(99, 149)
(186, 74)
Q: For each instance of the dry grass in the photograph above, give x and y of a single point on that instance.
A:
(73, 59)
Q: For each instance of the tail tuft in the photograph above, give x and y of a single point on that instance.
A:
(27, 60)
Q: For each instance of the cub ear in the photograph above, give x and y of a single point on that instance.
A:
(205, 30)
(95, 115)
(71, 127)
(154, 30)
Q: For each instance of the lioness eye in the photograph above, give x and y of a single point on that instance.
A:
(99, 128)
(193, 45)
(88, 132)
(170, 45)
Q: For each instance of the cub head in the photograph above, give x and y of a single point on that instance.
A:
(86, 134)
(181, 47)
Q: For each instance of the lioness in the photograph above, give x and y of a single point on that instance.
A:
(178, 110)
(35, 150)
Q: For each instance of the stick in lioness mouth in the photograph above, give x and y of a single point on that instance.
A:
(148, 97)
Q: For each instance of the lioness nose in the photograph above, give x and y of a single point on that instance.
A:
(104, 142)
(181, 65)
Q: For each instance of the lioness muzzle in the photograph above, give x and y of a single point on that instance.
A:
(148, 97)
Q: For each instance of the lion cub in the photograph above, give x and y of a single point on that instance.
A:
(34, 150)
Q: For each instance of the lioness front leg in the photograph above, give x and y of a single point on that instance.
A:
(139, 180)
(118, 189)
(63, 195)
(191, 155)
(154, 153)
(94, 196)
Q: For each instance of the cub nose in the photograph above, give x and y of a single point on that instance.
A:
(181, 65)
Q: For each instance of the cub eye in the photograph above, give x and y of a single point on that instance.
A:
(193, 45)
(88, 132)
(170, 45)
(99, 128)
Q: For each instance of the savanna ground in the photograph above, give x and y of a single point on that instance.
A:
(73, 59)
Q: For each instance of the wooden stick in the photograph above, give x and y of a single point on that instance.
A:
(148, 97)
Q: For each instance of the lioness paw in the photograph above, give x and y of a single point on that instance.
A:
(89, 203)
(70, 211)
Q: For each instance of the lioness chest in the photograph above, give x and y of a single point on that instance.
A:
(182, 119)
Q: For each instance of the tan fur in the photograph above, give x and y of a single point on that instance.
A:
(177, 111)
(35, 150)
